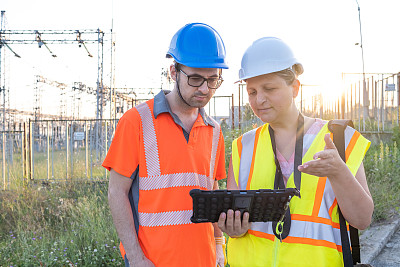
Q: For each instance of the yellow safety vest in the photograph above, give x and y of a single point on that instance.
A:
(314, 237)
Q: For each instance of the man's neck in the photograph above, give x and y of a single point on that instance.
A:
(186, 114)
(179, 107)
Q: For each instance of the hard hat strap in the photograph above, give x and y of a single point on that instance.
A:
(179, 91)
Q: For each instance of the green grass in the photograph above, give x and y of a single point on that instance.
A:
(76, 164)
(59, 225)
(57, 167)
(382, 164)
(69, 223)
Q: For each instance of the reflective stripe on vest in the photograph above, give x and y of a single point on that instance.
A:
(165, 218)
(149, 140)
(314, 216)
(214, 148)
(175, 180)
(155, 180)
(304, 229)
(244, 169)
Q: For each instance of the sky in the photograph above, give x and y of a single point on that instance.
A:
(322, 34)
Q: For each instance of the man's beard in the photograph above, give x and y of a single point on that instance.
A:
(199, 103)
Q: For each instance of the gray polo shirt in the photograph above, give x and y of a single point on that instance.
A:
(161, 105)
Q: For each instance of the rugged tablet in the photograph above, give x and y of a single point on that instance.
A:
(263, 205)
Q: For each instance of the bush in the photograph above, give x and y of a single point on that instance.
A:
(396, 134)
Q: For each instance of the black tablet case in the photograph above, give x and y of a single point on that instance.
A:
(263, 205)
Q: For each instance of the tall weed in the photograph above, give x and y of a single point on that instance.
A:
(58, 225)
(383, 175)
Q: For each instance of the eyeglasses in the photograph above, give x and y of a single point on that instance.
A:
(197, 81)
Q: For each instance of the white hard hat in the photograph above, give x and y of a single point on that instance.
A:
(266, 55)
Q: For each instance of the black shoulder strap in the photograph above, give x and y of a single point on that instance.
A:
(350, 257)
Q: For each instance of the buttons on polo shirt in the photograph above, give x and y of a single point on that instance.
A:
(193, 132)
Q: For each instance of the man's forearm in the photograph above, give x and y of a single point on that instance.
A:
(124, 223)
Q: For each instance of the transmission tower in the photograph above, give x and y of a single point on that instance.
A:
(47, 37)
(2, 81)
(38, 95)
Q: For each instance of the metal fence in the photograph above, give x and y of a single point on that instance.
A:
(55, 150)
(12, 157)
(371, 102)
(75, 149)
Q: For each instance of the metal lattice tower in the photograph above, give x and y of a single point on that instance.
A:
(38, 95)
(100, 85)
(2, 81)
(47, 37)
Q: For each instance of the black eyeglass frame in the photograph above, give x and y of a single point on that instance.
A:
(220, 80)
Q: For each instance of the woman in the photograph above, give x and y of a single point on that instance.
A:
(267, 158)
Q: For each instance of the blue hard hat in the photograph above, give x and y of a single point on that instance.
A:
(198, 45)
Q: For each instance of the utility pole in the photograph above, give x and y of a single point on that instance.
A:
(365, 94)
(2, 86)
(398, 97)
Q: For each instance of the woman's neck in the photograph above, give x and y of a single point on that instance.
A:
(286, 133)
(287, 122)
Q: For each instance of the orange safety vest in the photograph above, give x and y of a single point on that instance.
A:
(166, 175)
(314, 236)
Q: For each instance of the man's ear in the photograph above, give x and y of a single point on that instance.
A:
(172, 71)
(296, 88)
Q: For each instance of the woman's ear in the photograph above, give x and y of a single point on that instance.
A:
(296, 88)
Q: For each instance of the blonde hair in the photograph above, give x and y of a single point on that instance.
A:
(290, 74)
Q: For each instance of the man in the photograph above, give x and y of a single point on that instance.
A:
(161, 150)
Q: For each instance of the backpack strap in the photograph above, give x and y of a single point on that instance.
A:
(350, 257)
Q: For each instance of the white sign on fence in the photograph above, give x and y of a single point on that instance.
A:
(390, 87)
(79, 136)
